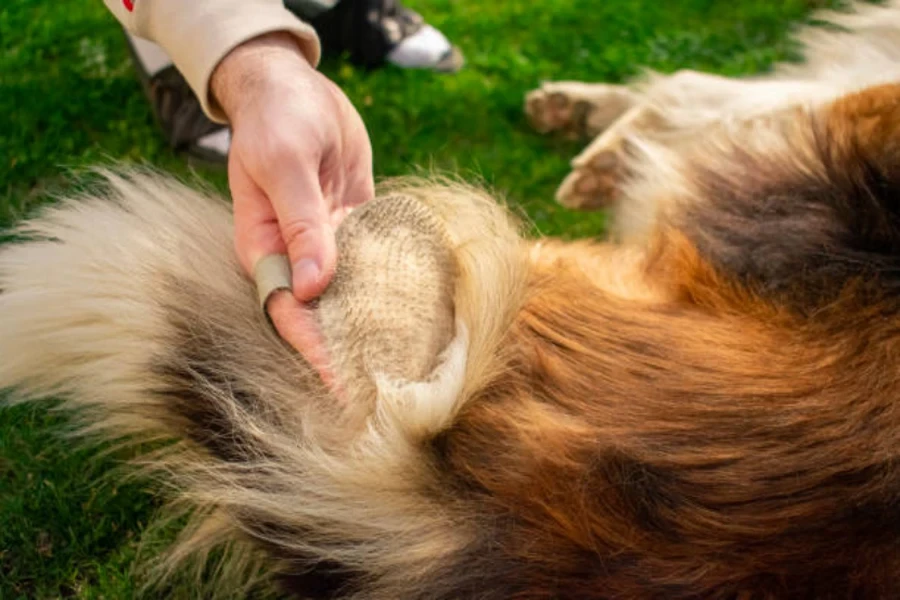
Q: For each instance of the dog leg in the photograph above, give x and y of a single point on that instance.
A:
(673, 106)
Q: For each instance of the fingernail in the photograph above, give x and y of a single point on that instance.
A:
(307, 271)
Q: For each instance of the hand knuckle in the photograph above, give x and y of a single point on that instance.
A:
(295, 231)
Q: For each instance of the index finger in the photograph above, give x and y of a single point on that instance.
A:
(296, 324)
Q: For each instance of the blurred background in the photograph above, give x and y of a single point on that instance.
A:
(69, 98)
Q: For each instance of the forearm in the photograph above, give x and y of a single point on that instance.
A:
(255, 66)
(198, 34)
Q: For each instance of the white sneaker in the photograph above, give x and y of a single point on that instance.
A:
(427, 48)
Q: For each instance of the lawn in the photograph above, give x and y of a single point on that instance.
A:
(69, 98)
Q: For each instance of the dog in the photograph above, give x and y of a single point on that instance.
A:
(703, 406)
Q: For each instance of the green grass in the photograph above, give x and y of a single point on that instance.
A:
(69, 98)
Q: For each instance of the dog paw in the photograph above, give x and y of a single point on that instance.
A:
(593, 183)
(599, 171)
(551, 109)
(577, 110)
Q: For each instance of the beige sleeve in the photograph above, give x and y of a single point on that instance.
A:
(197, 34)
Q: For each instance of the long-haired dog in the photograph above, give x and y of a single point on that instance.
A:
(705, 408)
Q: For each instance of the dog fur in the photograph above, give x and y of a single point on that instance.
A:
(702, 408)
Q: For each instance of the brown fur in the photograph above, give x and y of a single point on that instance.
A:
(709, 446)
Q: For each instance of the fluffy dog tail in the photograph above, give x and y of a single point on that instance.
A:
(131, 305)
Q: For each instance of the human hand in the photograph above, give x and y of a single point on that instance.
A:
(300, 158)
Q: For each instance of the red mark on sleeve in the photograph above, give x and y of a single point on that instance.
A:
(129, 5)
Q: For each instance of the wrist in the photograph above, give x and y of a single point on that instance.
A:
(253, 67)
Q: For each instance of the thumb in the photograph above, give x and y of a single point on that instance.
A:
(304, 221)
